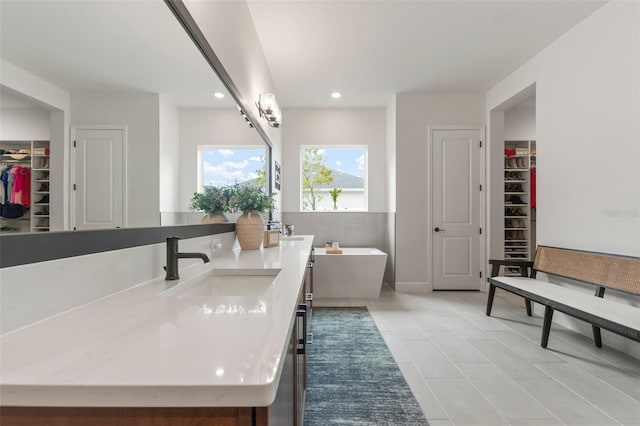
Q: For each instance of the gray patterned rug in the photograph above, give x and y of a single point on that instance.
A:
(352, 377)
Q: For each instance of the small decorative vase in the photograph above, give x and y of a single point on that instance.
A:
(250, 230)
(214, 217)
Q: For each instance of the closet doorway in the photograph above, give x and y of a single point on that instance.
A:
(513, 200)
(98, 177)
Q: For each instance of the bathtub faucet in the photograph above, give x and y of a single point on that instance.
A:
(173, 256)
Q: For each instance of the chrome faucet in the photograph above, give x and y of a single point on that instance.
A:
(173, 256)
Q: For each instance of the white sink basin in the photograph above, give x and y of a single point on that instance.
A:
(292, 238)
(226, 282)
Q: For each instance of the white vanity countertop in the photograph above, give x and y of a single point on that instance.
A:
(142, 348)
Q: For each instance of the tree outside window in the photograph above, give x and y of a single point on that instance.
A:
(333, 178)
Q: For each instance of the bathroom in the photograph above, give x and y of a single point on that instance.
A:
(164, 130)
(398, 220)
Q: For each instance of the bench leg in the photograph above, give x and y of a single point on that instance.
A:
(546, 326)
(597, 338)
(527, 303)
(495, 270)
(492, 292)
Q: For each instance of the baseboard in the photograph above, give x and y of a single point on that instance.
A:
(413, 287)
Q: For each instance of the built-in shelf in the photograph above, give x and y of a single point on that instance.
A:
(517, 227)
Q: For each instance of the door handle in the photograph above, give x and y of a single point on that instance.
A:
(301, 344)
(438, 229)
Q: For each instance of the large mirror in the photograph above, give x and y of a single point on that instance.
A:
(124, 72)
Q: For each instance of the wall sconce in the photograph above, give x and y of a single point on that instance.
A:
(269, 110)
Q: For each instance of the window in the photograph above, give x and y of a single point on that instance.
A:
(228, 165)
(333, 178)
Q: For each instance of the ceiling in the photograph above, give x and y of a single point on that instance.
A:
(370, 50)
(106, 46)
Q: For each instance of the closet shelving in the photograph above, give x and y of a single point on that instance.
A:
(40, 214)
(35, 155)
(518, 160)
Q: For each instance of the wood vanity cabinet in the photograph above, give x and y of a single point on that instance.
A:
(132, 416)
(287, 409)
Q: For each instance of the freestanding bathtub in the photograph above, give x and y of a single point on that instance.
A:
(357, 273)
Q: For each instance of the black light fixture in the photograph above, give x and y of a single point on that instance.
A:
(246, 119)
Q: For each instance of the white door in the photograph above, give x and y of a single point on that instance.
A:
(98, 177)
(456, 179)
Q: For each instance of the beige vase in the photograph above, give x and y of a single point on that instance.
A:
(250, 230)
(215, 217)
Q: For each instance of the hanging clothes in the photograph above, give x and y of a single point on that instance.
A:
(532, 184)
(10, 175)
(22, 187)
(10, 182)
(4, 194)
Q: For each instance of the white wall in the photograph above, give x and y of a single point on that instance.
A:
(58, 176)
(588, 155)
(334, 126)
(140, 113)
(391, 154)
(207, 127)
(587, 88)
(24, 124)
(414, 113)
(169, 151)
(495, 186)
(520, 124)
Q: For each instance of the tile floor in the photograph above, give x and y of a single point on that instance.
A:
(469, 369)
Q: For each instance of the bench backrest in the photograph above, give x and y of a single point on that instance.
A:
(607, 270)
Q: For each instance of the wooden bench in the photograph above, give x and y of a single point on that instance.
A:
(604, 271)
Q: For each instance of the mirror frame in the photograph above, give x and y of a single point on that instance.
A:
(22, 249)
(183, 16)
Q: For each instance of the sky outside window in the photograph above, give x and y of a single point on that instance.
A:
(347, 160)
(231, 165)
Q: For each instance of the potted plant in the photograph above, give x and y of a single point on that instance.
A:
(214, 201)
(335, 192)
(251, 200)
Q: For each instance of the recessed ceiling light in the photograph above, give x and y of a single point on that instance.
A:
(336, 95)
(219, 95)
